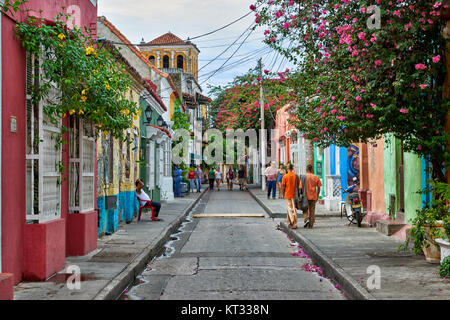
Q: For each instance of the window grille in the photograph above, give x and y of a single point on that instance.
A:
(81, 165)
(166, 62)
(151, 165)
(43, 154)
(128, 158)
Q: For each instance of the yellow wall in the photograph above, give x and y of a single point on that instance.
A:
(192, 56)
(111, 189)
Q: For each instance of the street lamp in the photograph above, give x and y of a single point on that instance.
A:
(160, 121)
(149, 114)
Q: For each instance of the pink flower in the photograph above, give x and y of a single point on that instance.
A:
(436, 59)
(420, 66)
(266, 71)
(419, 147)
(286, 25)
(402, 110)
(358, 98)
(378, 62)
(423, 86)
(273, 39)
(333, 98)
(253, 7)
(373, 105)
(266, 32)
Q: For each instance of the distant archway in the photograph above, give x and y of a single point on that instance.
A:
(152, 59)
(180, 62)
(166, 62)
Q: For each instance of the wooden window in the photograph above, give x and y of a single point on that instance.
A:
(128, 158)
(166, 62)
(152, 60)
(180, 62)
(81, 166)
(167, 159)
(110, 157)
(43, 153)
(151, 165)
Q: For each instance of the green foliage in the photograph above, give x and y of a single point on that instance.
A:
(237, 105)
(92, 83)
(436, 210)
(11, 6)
(447, 227)
(444, 269)
(181, 120)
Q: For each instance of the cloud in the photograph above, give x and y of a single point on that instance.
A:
(150, 19)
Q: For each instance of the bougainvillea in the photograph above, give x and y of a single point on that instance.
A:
(365, 71)
(237, 106)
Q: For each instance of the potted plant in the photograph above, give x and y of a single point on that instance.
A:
(444, 242)
(444, 269)
(428, 226)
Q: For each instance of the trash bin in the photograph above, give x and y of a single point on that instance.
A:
(184, 187)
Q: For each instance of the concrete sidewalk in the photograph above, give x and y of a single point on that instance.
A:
(107, 271)
(347, 254)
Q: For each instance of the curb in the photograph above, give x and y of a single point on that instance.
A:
(120, 282)
(330, 269)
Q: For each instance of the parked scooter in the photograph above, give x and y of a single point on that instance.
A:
(353, 204)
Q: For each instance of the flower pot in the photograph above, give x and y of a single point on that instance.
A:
(445, 248)
(430, 249)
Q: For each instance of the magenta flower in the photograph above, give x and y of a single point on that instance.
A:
(253, 7)
(402, 110)
(358, 98)
(423, 86)
(420, 66)
(436, 59)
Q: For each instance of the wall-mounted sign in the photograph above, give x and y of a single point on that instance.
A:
(13, 124)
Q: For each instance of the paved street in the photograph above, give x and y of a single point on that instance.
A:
(230, 258)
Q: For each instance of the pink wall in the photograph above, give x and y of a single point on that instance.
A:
(282, 125)
(13, 144)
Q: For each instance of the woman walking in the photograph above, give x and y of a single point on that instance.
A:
(281, 173)
(230, 179)
(219, 178)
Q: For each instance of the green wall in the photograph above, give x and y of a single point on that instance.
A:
(391, 176)
(412, 177)
(413, 183)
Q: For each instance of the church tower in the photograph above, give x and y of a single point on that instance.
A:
(171, 54)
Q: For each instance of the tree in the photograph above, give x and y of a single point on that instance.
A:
(237, 105)
(356, 82)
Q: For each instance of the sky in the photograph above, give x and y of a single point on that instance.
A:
(150, 19)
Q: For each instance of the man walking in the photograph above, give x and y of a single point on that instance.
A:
(211, 177)
(289, 189)
(198, 178)
(312, 189)
(271, 174)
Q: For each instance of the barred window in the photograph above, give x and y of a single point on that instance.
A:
(43, 153)
(81, 165)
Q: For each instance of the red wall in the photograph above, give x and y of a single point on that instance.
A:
(13, 144)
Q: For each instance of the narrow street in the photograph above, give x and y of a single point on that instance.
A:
(230, 258)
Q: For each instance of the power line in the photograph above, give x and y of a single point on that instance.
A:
(228, 47)
(229, 58)
(207, 34)
(225, 45)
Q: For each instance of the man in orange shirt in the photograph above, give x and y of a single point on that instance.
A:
(312, 187)
(288, 187)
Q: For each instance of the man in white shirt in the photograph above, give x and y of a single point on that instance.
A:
(145, 200)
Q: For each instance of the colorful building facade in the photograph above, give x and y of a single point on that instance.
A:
(41, 220)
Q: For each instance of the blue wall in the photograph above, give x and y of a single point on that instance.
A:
(343, 170)
(426, 175)
(332, 159)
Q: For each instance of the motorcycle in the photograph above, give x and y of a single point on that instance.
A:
(353, 204)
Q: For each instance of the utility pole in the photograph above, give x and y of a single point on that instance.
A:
(262, 141)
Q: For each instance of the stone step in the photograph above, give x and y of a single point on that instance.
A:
(389, 227)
